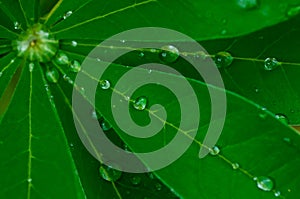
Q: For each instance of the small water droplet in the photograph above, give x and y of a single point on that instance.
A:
(136, 180)
(158, 186)
(62, 58)
(293, 11)
(277, 193)
(31, 67)
(235, 166)
(224, 32)
(149, 71)
(256, 90)
(74, 43)
(17, 25)
(140, 103)
(52, 75)
(215, 150)
(94, 115)
(122, 41)
(263, 114)
(141, 54)
(109, 174)
(288, 140)
(271, 64)
(223, 59)
(1, 73)
(247, 4)
(29, 180)
(67, 14)
(169, 54)
(82, 90)
(71, 145)
(98, 59)
(12, 61)
(282, 118)
(75, 66)
(105, 125)
(104, 84)
(264, 183)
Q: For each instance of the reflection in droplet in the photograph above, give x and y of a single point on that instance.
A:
(109, 174)
(282, 118)
(52, 75)
(75, 66)
(140, 103)
(169, 54)
(67, 14)
(105, 125)
(17, 25)
(223, 59)
(271, 64)
(277, 193)
(104, 84)
(264, 183)
(62, 58)
(215, 150)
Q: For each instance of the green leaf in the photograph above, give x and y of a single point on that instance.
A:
(32, 136)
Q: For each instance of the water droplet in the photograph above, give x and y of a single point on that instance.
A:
(1, 73)
(29, 180)
(105, 125)
(109, 174)
(94, 115)
(158, 186)
(122, 41)
(136, 180)
(277, 193)
(235, 166)
(62, 58)
(74, 43)
(271, 64)
(141, 54)
(282, 118)
(263, 114)
(169, 53)
(104, 84)
(140, 103)
(256, 90)
(264, 183)
(247, 4)
(223, 59)
(223, 32)
(67, 14)
(288, 140)
(12, 61)
(71, 145)
(215, 150)
(293, 11)
(17, 25)
(52, 75)
(31, 67)
(75, 66)
(82, 90)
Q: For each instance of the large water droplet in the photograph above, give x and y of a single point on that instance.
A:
(75, 66)
(62, 58)
(223, 59)
(104, 84)
(271, 64)
(215, 150)
(277, 193)
(109, 174)
(282, 118)
(169, 54)
(105, 125)
(247, 4)
(67, 14)
(136, 180)
(52, 75)
(140, 103)
(264, 183)
(235, 166)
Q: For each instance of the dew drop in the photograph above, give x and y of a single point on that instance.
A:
(62, 58)
(17, 25)
(277, 193)
(29, 180)
(122, 41)
(31, 67)
(158, 186)
(282, 118)
(288, 140)
(1, 73)
(105, 125)
(169, 54)
(223, 59)
(74, 43)
(235, 166)
(52, 75)
(75, 66)
(109, 174)
(224, 32)
(263, 114)
(140, 103)
(264, 183)
(271, 64)
(247, 4)
(141, 54)
(67, 14)
(94, 115)
(215, 150)
(136, 180)
(104, 84)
